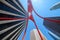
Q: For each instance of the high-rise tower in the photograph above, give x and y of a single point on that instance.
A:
(12, 20)
(54, 28)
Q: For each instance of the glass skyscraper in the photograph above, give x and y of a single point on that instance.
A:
(11, 24)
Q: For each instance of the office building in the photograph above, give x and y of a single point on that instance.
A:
(11, 26)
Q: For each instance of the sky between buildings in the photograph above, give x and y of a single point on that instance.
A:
(42, 7)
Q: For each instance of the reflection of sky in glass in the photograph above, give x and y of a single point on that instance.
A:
(43, 9)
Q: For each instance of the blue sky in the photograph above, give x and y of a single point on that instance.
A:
(42, 7)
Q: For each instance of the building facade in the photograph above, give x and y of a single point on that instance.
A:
(54, 28)
(11, 24)
(35, 36)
